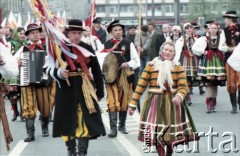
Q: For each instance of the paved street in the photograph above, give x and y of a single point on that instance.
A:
(127, 145)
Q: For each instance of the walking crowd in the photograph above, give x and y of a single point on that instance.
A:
(166, 62)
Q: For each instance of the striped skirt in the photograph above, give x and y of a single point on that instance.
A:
(164, 123)
(190, 66)
(212, 72)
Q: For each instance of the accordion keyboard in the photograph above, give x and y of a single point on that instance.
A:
(24, 70)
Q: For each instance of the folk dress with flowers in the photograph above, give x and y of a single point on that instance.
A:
(161, 121)
(211, 67)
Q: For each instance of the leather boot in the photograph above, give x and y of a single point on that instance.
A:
(30, 129)
(189, 102)
(213, 105)
(44, 125)
(122, 121)
(83, 146)
(71, 147)
(50, 117)
(208, 103)
(15, 111)
(233, 99)
(190, 90)
(113, 124)
(201, 91)
(239, 100)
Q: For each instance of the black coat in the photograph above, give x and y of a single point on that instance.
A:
(159, 41)
(102, 35)
(68, 97)
(153, 46)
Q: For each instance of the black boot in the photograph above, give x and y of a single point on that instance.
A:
(201, 91)
(113, 124)
(44, 124)
(15, 112)
(239, 100)
(71, 147)
(122, 121)
(83, 146)
(50, 118)
(30, 130)
(233, 99)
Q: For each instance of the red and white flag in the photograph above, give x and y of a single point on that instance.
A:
(89, 20)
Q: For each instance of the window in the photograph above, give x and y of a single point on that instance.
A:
(183, 8)
(144, 9)
(113, 1)
(158, 8)
(169, 8)
(100, 9)
(126, 9)
(113, 9)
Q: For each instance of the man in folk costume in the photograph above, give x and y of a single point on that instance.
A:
(120, 91)
(35, 96)
(229, 39)
(77, 113)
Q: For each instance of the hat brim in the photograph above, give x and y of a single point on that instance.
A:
(230, 16)
(28, 31)
(74, 29)
(109, 28)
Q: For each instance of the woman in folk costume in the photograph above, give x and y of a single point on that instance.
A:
(77, 113)
(164, 114)
(18, 40)
(211, 67)
(176, 33)
(91, 40)
(186, 57)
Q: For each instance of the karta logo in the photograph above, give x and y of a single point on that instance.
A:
(229, 144)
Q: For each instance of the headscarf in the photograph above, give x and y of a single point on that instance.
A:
(16, 42)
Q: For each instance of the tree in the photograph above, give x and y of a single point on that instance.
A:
(211, 10)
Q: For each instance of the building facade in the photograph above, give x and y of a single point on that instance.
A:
(161, 11)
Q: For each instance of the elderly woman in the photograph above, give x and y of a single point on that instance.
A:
(165, 119)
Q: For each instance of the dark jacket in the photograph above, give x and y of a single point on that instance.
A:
(102, 35)
(159, 41)
(153, 46)
(68, 97)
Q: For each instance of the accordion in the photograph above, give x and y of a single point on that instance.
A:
(31, 71)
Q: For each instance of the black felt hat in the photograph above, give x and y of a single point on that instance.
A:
(75, 25)
(31, 27)
(97, 20)
(195, 25)
(113, 24)
(132, 27)
(207, 23)
(230, 14)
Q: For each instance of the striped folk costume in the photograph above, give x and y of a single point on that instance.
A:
(119, 92)
(211, 70)
(161, 121)
(229, 39)
(35, 97)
